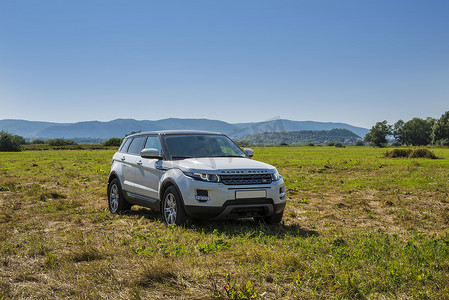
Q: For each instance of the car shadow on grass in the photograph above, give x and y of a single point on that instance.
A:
(232, 227)
(149, 214)
(248, 227)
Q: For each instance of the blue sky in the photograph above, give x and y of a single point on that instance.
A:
(357, 62)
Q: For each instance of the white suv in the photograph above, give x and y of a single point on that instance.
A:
(194, 174)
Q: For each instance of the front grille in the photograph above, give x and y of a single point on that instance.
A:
(241, 179)
(251, 201)
(245, 212)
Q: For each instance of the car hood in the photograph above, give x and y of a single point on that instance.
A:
(220, 165)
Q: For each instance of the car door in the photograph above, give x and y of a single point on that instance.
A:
(124, 159)
(130, 167)
(149, 172)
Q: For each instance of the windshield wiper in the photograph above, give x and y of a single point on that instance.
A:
(181, 157)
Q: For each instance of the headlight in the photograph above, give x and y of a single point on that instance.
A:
(276, 176)
(204, 177)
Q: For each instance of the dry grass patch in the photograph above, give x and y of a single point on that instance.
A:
(156, 270)
(86, 253)
(410, 153)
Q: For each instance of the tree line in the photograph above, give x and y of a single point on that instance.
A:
(416, 132)
(13, 143)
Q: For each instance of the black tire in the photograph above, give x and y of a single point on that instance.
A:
(271, 220)
(172, 209)
(116, 202)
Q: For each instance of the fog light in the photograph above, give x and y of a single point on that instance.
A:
(282, 193)
(202, 198)
(202, 195)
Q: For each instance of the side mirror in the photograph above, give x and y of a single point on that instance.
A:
(150, 153)
(249, 151)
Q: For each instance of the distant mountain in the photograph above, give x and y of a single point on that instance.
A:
(302, 137)
(25, 128)
(288, 125)
(121, 127)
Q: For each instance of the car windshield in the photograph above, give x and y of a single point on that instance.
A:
(187, 146)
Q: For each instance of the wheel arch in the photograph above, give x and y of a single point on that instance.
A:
(165, 185)
(112, 176)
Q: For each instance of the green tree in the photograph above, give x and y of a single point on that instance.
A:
(416, 132)
(431, 120)
(397, 131)
(113, 142)
(20, 140)
(440, 131)
(10, 142)
(378, 134)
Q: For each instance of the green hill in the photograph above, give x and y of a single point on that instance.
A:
(302, 137)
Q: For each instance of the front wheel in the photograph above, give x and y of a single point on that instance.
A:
(173, 212)
(116, 201)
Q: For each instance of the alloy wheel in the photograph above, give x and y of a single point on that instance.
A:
(170, 209)
(114, 198)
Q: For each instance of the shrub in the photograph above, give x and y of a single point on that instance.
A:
(339, 145)
(113, 142)
(360, 143)
(37, 142)
(409, 153)
(311, 144)
(331, 144)
(61, 142)
(10, 142)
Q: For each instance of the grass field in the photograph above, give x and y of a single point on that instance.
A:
(357, 226)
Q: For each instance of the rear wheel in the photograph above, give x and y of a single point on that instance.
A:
(116, 201)
(172, 209)
(273, 219)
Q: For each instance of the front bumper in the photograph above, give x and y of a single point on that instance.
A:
(223, 201)
(232, 211)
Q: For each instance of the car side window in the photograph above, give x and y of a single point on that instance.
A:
(136, 145)
(153, 142)
(125, 145)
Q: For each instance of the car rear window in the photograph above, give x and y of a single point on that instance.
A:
(136, 145)
(125, 145)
